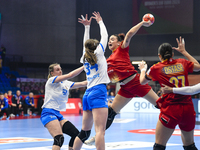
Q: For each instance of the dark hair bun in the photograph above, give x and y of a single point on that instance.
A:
(122, 36)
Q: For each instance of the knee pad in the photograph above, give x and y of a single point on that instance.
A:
(111, 117)
(69, 129)
(190, 147)
(158, 147)
(111, 113)
(84, 135)
(58, 140)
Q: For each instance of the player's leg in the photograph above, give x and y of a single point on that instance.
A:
(100, 117)
(69, 129)
(55, 130)
(118, 103)
(84, 134)
(151, 96)
(187, 126)
(188, 140)
(162, 136)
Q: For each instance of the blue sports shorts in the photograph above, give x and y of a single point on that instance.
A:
(95, 97)
(48, 115)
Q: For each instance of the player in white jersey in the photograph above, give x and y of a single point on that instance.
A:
(95, 104)
(56, 96)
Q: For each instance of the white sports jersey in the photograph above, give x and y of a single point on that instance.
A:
(56, 94)
(97, 74)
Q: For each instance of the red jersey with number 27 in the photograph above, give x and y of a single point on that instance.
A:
(119, 65)
(174, 73)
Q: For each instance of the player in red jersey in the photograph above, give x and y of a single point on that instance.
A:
(121, 70)
(175, 109)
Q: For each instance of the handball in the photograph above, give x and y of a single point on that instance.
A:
(148, 17)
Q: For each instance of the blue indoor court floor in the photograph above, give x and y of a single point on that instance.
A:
(129, 131)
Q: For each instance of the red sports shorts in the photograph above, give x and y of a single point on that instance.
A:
(133, 88)
(182, 115)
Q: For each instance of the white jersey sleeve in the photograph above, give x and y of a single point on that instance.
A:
(56, 94)
(104, 35)
(187, 90)
(85, 38)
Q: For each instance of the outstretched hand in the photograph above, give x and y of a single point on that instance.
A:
(146, 23)
(97, 16)
(142, 66)
(181, 45)
(166, 89)
(85, 20)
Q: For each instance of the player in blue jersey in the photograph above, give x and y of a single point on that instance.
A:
(95, 105)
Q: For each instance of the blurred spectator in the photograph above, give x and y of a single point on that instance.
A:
(75, 93)
(41, 92)
(3, 54)
(82, 91)
(5, 94)
(40, 101)
(110, 98)
(9, 97)
(30, 84)
(4, 107)
(29, 103)
(109, 90)
(17, 101)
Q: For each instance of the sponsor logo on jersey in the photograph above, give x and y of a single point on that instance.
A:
(95, 76)
(173, 69)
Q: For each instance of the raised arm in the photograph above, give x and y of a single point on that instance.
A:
(143, 67)
(103, 30)
(86, 23)
(70, 75)
(133, 31)
(182, 50)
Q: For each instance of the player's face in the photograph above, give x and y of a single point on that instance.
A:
(18, 93)
(9, 93)
(57, 71)
(2, 96)
(30, 95)
(113, 42)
